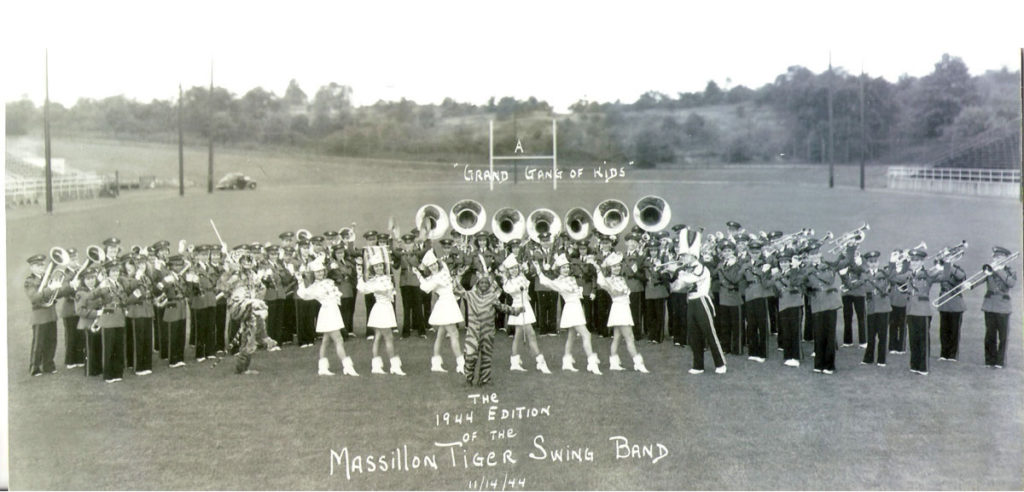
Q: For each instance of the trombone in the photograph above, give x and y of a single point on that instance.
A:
(973, 280)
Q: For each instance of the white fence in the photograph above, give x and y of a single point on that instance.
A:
(28, 191)
(962, 181)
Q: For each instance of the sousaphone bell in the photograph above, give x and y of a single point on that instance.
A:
(543, 220)
(467, 217)
(578, 224)
(652, 213)
(611, 217)
(508, 224)
(433, 220)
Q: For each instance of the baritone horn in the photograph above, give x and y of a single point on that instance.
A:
(347, 234)
(543, 220)
(578, 224)
(508, 224)
(303, 235)
(611, 217)
(652, 213)
(432, 219)
(59, 260)
(467, 217)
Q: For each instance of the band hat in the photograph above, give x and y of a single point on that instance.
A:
(481, 235)
(34, 259)
(510, 262)
(375, 257)
(732, 224)
(871, 255)
(755, 245)
(612, 259)
(112, 265)
(408, 237)
(447, 242)
(176, 259)
(90, 272)
(774, 235)
(72, 251)
(678, 227)
(111, 241)
(316, 265)
(429, 258)
(514, 243)
(725, 245)
(917, 254)
(561, 260)
(162, 244)
(544, 237)
(316, 239)
(369, 235)
(633, 236)
(286, 235)
(999, 250)
(383, 236)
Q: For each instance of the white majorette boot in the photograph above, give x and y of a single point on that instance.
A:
(517, 363)
(615, 363)
(593, 363)
(396, 366)
(638, 364)
(324, 367)
(437, 364)
(377, 365)
(568, 363)
(347, 368)
(460, 365)
(542, 365)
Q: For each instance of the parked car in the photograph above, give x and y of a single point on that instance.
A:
(236, 181)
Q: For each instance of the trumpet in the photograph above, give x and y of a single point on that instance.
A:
(974, 280)
(848, 239)
(903, 255)
(951, 254)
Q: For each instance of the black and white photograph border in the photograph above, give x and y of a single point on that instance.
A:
(712, 158)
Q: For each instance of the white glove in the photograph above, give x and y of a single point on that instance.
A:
(99, 312)
(794, 263)
(894, 257)
(137, 293)
(857, 260)
(592, 296)
(775, 271)
(899, 267)
(74, 283)
(54, 285)
(844, 271)
(191, 277)
(766, 268)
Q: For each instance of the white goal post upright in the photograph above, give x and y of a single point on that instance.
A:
(553, 156)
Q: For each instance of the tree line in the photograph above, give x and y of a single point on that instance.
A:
(786, 119)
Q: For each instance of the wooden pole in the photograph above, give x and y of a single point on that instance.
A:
(181, 149)
(46, 133)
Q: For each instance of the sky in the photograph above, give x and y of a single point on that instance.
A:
(560, 52)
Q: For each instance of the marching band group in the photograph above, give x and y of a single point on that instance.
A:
(723, 293)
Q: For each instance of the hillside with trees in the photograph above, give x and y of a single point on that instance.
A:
(942, 118)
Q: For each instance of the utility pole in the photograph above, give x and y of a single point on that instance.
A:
(209, 108)
(831, 142)
(863, 130)
(46, 133)
(181, 149)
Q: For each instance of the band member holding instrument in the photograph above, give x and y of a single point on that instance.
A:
(676, 297)
(110, 297)
(824, 286)
(343, 272)
(40, 288)
(731, 278)
(74, 339)
(619, 317)
(877, 288)
(572, 314)
(382, 315)
(898, 299)
(272, 271)
(547, 299)
(305, 310)
(139, 315)
(950, 313)
(790, 281)
(409, 285)
(201, 284)
(170, 295)
(156, 264)
(997, 306)
(655, 290)
(853, 295)
(515, 284)
(756, 276)
(446, 313)
(87, 309)
(919, 311)
(329, 321)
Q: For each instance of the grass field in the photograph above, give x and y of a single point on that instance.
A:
(759, 426)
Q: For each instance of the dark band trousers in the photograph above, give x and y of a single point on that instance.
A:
(756, 311)
(878, 330)
(142, 351)
(898, 328)
(996, 332)
(113, 352)
(919, 340)
(701, 332)
(677, 321)
(825, 340)
(790, 321)
(949, 334)
(44, 348)
(74, 342)
(853, 304)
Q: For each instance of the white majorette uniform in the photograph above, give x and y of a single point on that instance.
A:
(382, 315)
(446, 310)
(517, 288)
(572, 310)
(327, 294)
(619, 315)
